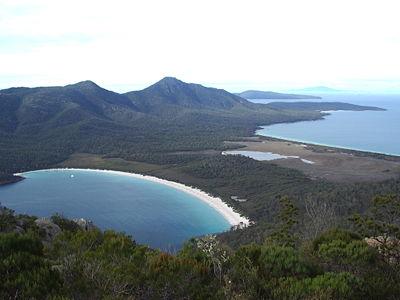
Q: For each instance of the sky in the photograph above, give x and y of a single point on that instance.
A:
(235, 45)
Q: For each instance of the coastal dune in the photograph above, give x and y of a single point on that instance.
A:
(233, 217)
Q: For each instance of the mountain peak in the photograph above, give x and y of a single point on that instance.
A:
(171, 91)
(86, 84)
(170, 81)
(170, 86)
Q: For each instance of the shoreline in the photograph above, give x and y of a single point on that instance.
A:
(332, 164)
(334, 147)
(324, 114)
(227, 212)
(11, 181)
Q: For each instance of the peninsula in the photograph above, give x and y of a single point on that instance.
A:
(7, 178)
(253, 94)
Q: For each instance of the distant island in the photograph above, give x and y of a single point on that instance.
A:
(317, 89)
(252, 94)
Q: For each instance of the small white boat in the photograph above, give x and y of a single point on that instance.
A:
(72, 176)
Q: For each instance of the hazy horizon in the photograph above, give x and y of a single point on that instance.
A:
(234, 45)
(300, 90)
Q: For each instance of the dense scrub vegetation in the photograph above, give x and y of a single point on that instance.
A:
(363, 263)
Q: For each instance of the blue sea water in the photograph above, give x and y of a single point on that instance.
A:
(152, 213)
(374, 131)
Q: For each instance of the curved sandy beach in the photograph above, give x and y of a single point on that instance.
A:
(226, 211)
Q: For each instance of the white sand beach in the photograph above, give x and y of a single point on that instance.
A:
(226, 211)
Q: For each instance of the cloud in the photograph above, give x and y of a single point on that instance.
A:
(268, 43)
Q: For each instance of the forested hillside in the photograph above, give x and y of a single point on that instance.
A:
(42, 126)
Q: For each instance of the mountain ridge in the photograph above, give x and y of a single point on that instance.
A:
(72, 103)
(31, 110)
(40, 127)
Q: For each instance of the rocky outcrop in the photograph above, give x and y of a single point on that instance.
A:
(85, 224)
(48, 228)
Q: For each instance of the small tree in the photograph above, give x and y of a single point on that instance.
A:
(7, 219)
(320, 217)
(381, 226)
(209, 251)
(283, 235)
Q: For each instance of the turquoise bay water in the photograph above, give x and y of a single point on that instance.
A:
(375, 131)
(153, 213)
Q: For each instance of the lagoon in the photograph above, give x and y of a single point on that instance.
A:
(261, 156)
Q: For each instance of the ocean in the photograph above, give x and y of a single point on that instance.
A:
(152, 213)
(373, 131)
